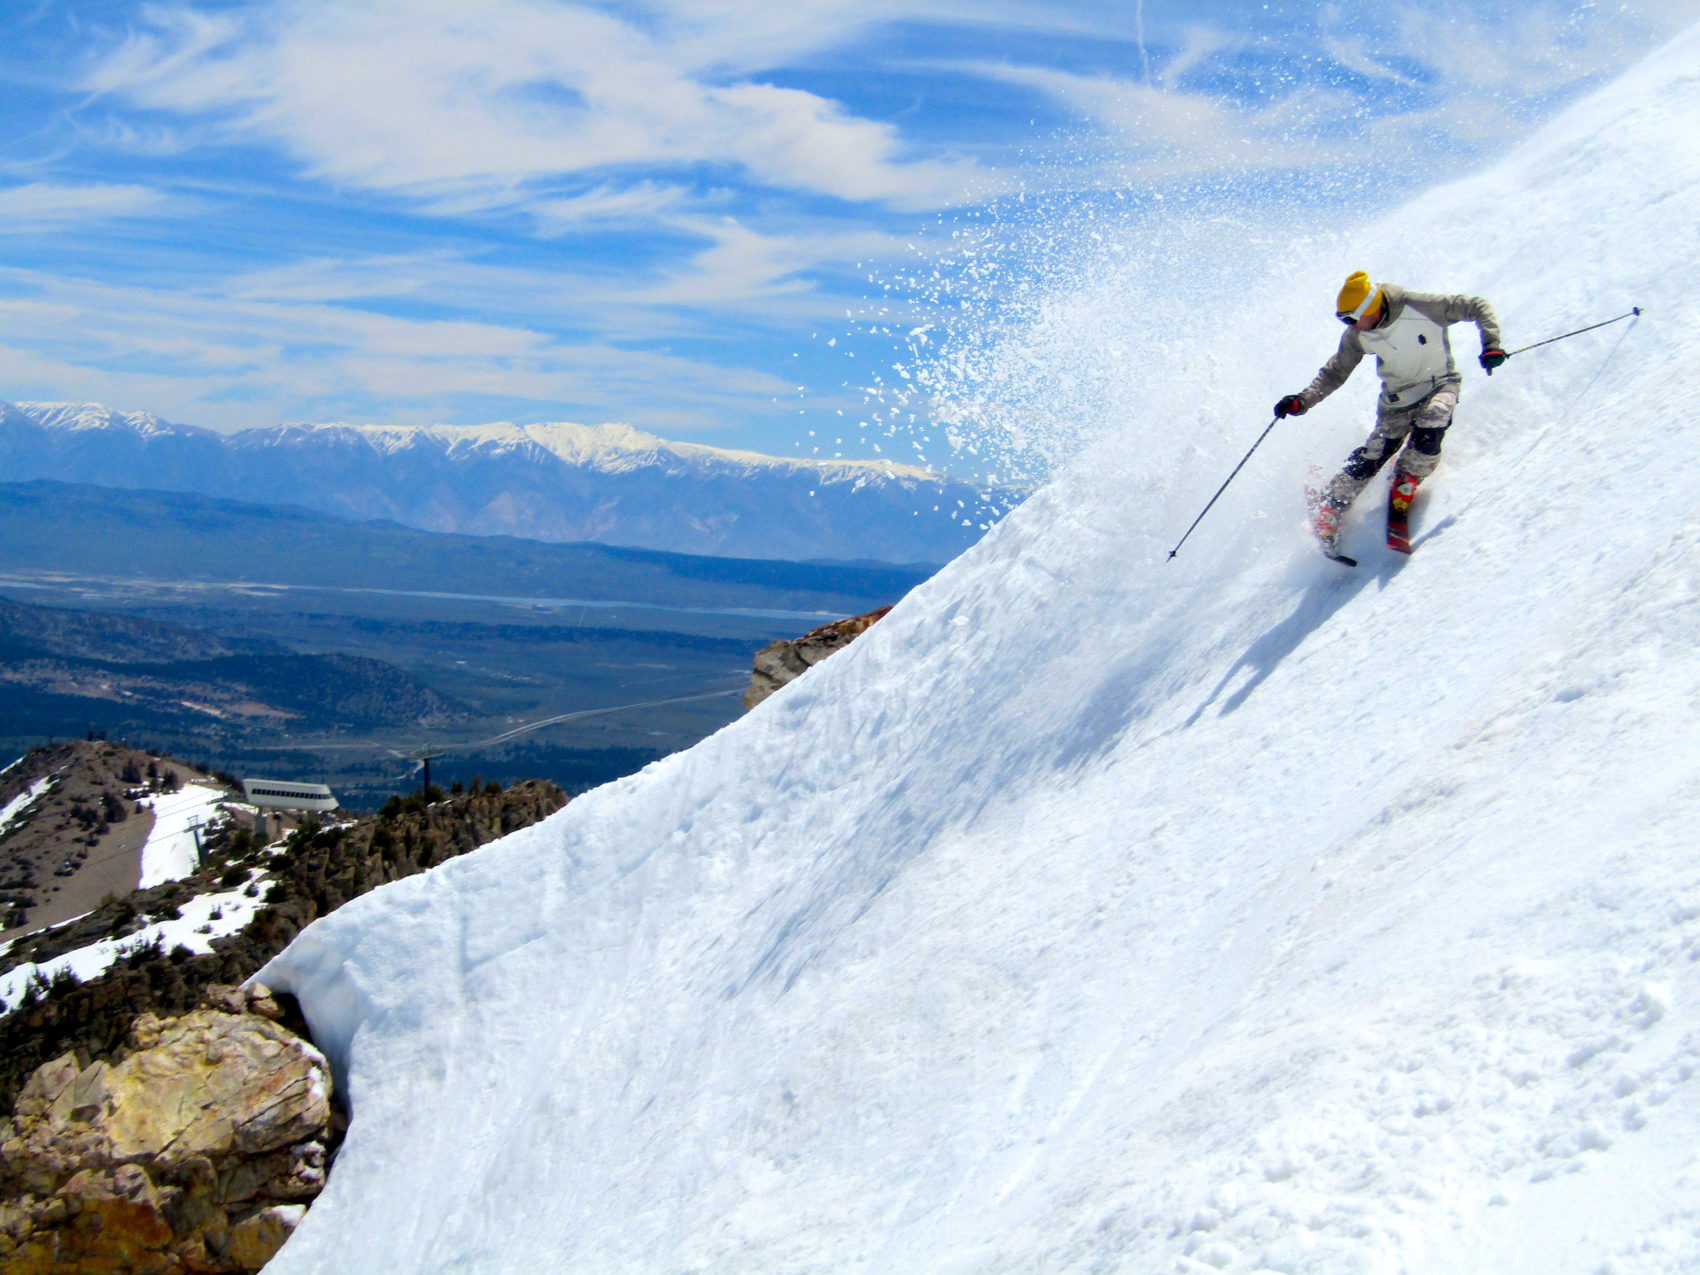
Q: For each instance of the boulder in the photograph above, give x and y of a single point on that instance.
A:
(256, 1240)
(784, 661)
(197, 1151)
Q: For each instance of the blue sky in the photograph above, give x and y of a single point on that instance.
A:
(678, 214)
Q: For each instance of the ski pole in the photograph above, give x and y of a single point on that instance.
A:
(1224, 486)
(1634, 313)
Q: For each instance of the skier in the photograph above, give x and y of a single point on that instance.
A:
(1407, 333)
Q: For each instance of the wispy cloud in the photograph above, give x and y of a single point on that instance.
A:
(305, 358)
(337, 279)
(491, 101)
(745, 270)
(735, 272)
(637, 204)
(638, 209)
(1160, 133)
(34, 207)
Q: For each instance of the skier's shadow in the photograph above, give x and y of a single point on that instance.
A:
(1316, 605)
(1434, 532)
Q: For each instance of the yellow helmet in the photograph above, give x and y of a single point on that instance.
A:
(1358, 296)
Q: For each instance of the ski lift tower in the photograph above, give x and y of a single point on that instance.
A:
(424, 759)
(284, 794)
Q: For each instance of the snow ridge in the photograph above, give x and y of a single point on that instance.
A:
(613, 448)
(559, 481)
(74, 417)
(1100, 912)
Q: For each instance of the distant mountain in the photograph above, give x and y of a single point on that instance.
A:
(607, 484)
(62, 667)
(111, 533)
(115, 639)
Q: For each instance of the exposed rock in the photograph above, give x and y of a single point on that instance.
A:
(196, 1152)
(784, 661)
(321, 870)
(256, 1240)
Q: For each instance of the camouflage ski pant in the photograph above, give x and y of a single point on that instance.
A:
(1421, 427)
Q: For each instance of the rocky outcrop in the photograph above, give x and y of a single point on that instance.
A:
(321, 869)
(785, 661)
(196, 1152)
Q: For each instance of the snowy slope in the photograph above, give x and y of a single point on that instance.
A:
(173, 847)
(15, 808)
(1102, 912)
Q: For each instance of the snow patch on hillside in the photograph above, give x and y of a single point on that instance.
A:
(172, 849)
(16, 807)
(201, 920)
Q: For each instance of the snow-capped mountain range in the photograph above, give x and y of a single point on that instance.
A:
(610, 484)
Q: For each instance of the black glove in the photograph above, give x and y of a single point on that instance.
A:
(1293, 405)
(1492, 358)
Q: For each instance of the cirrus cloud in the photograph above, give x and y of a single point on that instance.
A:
(490, 102)
(34, 207)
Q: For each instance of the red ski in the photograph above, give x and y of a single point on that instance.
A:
(1399, 502)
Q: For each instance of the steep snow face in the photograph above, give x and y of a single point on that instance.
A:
(1100, 912)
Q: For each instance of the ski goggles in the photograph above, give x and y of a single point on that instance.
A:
(1349, 317)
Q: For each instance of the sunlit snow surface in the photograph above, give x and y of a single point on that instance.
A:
(1102, 912)
(173, 849)
(15, 808)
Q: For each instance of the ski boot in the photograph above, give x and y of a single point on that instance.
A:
(1325, 517)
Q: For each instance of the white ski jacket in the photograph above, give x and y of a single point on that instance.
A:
(1413, 352)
